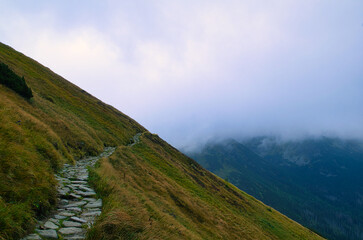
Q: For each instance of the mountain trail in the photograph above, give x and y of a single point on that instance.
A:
(77, 206)
(135, 139)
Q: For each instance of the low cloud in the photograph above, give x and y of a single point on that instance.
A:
(195, 71)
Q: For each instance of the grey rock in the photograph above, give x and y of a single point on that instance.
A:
(75, 196)
(93, 209)
(70, 230)
(89, 199)
(74, 209)
(64, 189)
(96, 204)
(72, 187)
(82, 177)
(32, 237)
(78, 219)
(59, 217)
(63, 202)
(86, 194)
(79, 237)
(71, 224)
(50, 225)
(79, 182)
(62, 193)
(63, 180)
(76, 204)
(77, 185)
(48, 233)
(93, 213)
(53, 220)
(87, 189)
(66, 214)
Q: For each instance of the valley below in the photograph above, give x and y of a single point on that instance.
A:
(317, 181)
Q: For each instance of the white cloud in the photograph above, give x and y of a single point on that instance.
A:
(186, 68)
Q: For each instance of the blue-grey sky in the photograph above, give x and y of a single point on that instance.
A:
(195, 70)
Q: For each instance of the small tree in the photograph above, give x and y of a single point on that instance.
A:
(14, 82)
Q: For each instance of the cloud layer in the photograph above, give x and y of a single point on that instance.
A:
(191, 70)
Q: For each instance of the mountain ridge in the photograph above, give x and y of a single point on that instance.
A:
(314, 181)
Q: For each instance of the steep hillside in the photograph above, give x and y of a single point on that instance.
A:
(59, 124)
(150, 189)
(316, 182)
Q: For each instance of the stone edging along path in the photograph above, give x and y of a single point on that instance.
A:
(77, 206)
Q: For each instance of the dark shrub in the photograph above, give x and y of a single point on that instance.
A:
(14, 82)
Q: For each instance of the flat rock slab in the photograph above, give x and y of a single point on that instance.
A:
(87, 189)
(66, 214)
(74, 237)
(91, 214)
(79, 182)
(32, 237)
(59, 217)
(70, 230)
(55, 221)
(72, 195)
(96, 204)
(71, 224)
(82, 177)
(77, 219)
(63, 202)
(74, 209)
(86, 194)
(90, 199)
(50, 225)
(75, 204)
(52, 234)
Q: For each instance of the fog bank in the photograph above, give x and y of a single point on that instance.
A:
(194, 71)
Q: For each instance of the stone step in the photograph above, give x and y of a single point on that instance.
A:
(70, 230)
(50, 225)
(75, 204)
(32, 236)
(96, 204)
(52, 234)
(71, 224)
(77, 219)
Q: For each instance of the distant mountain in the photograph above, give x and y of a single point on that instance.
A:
(317, 182)
(149, 189)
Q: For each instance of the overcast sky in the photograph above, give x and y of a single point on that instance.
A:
(195, 70)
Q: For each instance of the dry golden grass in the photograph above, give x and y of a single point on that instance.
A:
(152, 191)
(60, 124)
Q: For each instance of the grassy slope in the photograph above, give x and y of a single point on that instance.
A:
(61, 123)
(150, 190)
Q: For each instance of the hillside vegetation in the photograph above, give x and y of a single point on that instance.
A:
(150, 189)
(14, 82)
(316, 182)
(61, 123)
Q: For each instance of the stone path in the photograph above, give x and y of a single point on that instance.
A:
(135, 139)
(77, 206)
